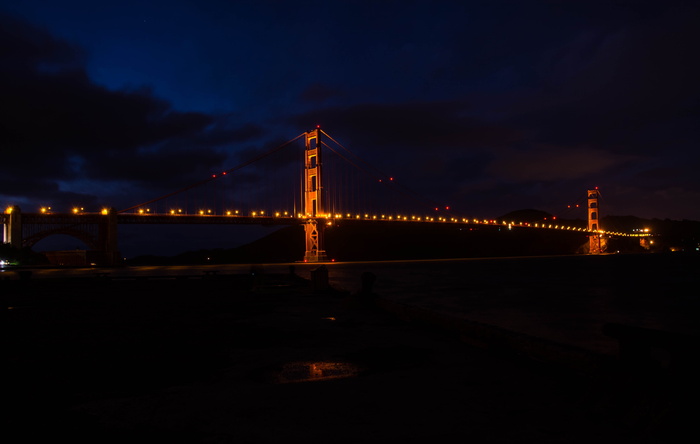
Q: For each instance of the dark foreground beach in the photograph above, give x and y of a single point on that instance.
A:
(427, 353)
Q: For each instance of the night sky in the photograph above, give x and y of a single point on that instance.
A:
(488, 106)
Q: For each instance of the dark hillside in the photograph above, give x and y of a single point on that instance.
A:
(405, 240)
(366, 240)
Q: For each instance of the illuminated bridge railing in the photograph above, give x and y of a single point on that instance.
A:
(263, 217)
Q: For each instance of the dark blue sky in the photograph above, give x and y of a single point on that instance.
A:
(491, 106)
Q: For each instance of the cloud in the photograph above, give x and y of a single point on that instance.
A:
(434, 125)
(552, 163)
(624, 86)
(59, 127)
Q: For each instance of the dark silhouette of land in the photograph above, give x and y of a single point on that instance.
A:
(365, 240)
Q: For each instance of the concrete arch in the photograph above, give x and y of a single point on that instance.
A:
(83, 236)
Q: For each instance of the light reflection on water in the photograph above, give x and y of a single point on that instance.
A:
(307, 371)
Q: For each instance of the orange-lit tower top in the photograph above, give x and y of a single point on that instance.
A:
(593, 209)
(313, 198)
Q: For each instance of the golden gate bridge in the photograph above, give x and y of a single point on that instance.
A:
(330, 185)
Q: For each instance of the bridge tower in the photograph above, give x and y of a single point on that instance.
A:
(313, 197)
(13, 228)
(596, 242)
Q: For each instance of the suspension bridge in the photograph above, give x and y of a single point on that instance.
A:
(330, 184)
